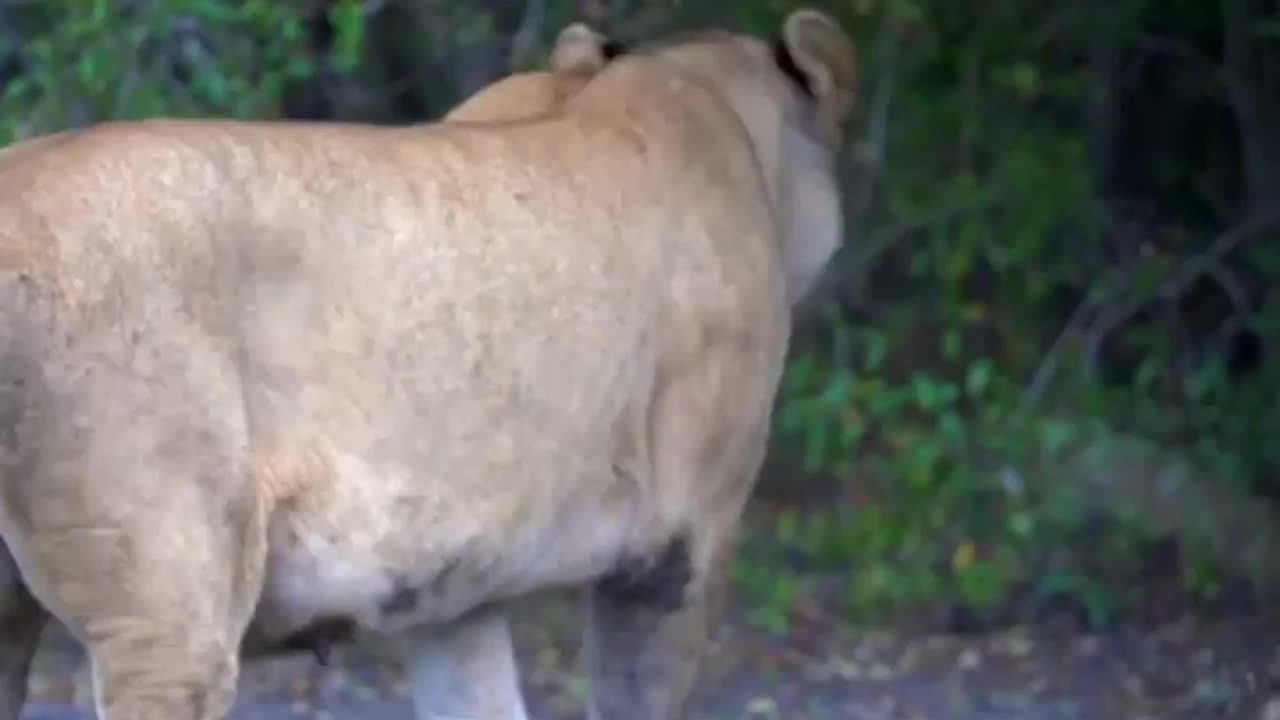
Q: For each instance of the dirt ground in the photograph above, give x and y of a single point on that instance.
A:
(823, 670)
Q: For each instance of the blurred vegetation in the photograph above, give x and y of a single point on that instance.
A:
(1039, 375)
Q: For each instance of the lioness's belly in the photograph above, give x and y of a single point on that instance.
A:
(389, 552)
(463, 448)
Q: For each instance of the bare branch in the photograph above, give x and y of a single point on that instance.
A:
(8, 33)
(1231, 287)
(1239, 95)
(1220, 338)
(526, 35)
(1052, 359)
(873, 147)
(1182, 279)
(618, 9)
(868, 156)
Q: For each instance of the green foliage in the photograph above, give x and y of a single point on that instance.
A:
(772, 593)
(347, 18)
(953, 406)
(957, 495)
(924, 527)
(93, 60)
(989, 291)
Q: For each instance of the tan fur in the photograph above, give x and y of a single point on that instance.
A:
(254, 376)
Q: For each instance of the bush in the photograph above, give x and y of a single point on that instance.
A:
(998, 312)
(88, 61)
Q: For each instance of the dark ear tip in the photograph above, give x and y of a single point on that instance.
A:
(787, 64)
(612, 49)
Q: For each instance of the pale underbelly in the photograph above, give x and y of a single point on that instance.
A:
(396, 576)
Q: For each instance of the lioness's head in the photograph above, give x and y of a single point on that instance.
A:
(579, 52)
(794, 95)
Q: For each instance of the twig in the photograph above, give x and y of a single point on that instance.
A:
(869, 156)
(1181, 280)
(1216, 342)
(1230, 285)
(874, 145)
(1212, 66)
(616, 11)
(1048, 366)
(1207, 263)
(1174, 323)
(526, 34)
(1239, 96)
(130, 83)
(10, 36)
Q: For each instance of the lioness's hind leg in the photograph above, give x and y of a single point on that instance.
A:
(650, 620)
(145, 671)
(22, 620)
(173, 601)
(466, 670)
(160, 605)
(647, 627)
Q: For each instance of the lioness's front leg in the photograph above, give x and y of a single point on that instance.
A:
(466, 670)
(649, 627)
(651, 617)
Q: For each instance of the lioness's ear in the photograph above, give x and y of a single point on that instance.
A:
(580, 49)
(818, 53)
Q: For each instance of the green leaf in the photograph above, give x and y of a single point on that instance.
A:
(16, 88)
(1021, 524)
(99, 12)
(788, 525)
(905, 11)
(876, 350)
(299, 66)
(1025, 78)
(978, 377)
(214, 86)
(948, 393)
(793, 415)
(952, 429)
(87, 68)
(852, 432)
(1056, 435)
(215, 10)
(800, 372)
(925, 391)
(347, 19)
(815, 449)
(1098, 604)
(839, 390)
(951, 344)
(982, 583)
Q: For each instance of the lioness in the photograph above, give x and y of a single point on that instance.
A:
(255, 377)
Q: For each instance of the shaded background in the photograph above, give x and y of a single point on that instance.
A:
(1034, 405)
